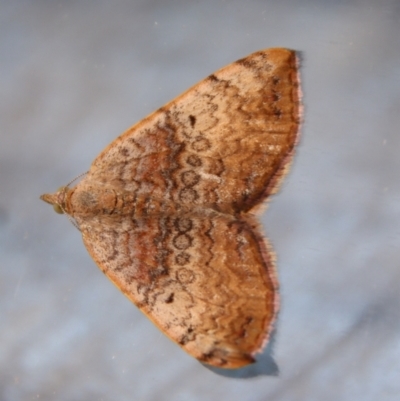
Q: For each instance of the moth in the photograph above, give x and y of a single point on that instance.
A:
(168, 209)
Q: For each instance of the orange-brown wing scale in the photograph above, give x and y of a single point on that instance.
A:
(225, 142)
(206, 281)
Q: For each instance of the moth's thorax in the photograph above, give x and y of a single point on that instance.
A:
(87, 200)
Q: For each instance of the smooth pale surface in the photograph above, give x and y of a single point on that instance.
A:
(73, 76)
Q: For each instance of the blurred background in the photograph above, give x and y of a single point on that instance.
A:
(76, 74)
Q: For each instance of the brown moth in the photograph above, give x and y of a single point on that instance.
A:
(167, 210)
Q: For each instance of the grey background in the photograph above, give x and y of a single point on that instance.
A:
(75, 74)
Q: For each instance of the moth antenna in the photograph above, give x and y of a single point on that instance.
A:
(73, 222)
(76, 178)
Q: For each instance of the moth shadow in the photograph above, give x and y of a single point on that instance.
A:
(265, 365)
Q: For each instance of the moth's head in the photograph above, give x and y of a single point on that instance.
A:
(57, 199)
